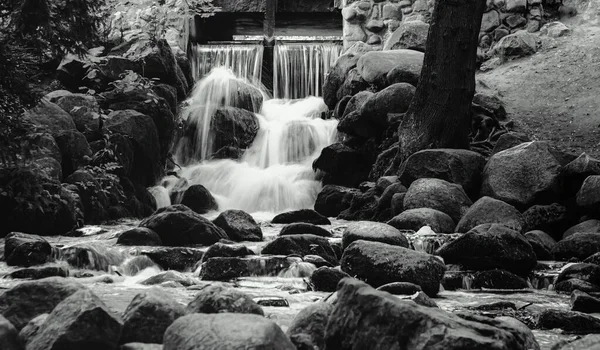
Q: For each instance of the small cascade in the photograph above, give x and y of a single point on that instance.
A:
(91, 255)
(298, 269)
(299, 69)
(245, 60)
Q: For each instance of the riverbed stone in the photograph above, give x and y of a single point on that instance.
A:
(488, 210)
(586, 272)
(174, 258)
(542, 244)
(225, 331)
(148, 316)
(572, 284)
(578, 245)
(490, 246)
(374, 232)
(139, 236)
(365, 318)
(583, 302)
(169, 277)
(39, 272)
(28, 299)
(523, 175)
(227, 268)
(332, 200)
(80, 319)
(400, 288)
(311, 323)
(226, 250)
(569, 321)
(588, 226)
(199, 199)
(21, 249)
(239, 226)
(308, 216)
(414, 219)
(301, 228)
(301, 245)
(180, 226)
(498, 279)
(141, 346)
(379, 263)
(588, 342)
(325, 279)
(235, 127)
(438, 194)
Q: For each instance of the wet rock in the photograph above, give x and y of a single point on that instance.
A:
(569, 321)
(522, 175)
(36, 273)
(458, 166)
(227, 268)
(233, 127)
(180, 226)
(50, 117)
(541, 243)
(310, 323)
(139, 236)
(332, 200)
(570, 285)
(227, 331)
(325, 279)
(141, 346)
(80, 319)
(148, 315)
(174, 258)
(552, 218)
(301, 228)
(581, 301)
(588, 226)
(488, 210)
(219, 299)
(239, 226)
(498, 279)
(301, 245)
(578, 245)
(586, 272)
(393, 99)
(410, 35)
(226, 250)
(21, 249)
(319, 261)
(438, 194)
(343, 165)
(490, 246)
(9, 337)
(374, 66)
(498, 305)
(365, 318)
(379, 263)
(169, 277)
(199, 199)
(28, 299)
(373, 231)
(414, 219)
(303, 215)
(32, 328)
(400, 288)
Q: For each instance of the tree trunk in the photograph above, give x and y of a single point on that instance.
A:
(439, 114)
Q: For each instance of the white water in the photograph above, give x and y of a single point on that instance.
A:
(245, 60)
(275, 173)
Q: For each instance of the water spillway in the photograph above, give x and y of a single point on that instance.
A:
(244, 60)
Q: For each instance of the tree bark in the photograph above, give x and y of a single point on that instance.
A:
(439, 114)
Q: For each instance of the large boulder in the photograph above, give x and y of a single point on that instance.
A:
(523, 175)
(302, 228)
(583, 302)
(589, 194)
(438, 194)
(225, 331)
(575, 173)
(326, 279)
(148, 315)
(39, 272)
(226, 250)
(174, 258)
(394, 99)
(414, 219)
(552, 218)
(9, 336)
(410, 35)
(343, 165)
(82, 319)
(588, 226)
(458, 166)
(374, 66)
(589, 273)
(227, 268)
(85, 111)
(311, 323)
(308, 216)
(498, 279)
(180, 226)
(490, 246)
(74, 149)
(374, 232)
(142, 132)
(364, 318)
(199, 199)
(379, 263)
(488, 210)
(50, 117)
(21, 249)
(542, 244)
(235, 127)
(519, 44)
(301, 245)
(578, 245)
(139, 236)
(239, 226)
(568, 321)
(216, 298)
(339, 72)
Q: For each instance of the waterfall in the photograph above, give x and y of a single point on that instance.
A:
(245, 60)
(300, 68)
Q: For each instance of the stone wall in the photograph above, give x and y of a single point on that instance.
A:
(282, 5)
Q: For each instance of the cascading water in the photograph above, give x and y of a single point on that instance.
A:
(245, 60)
(300, 68)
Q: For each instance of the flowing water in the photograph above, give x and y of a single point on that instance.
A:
(245, 60)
